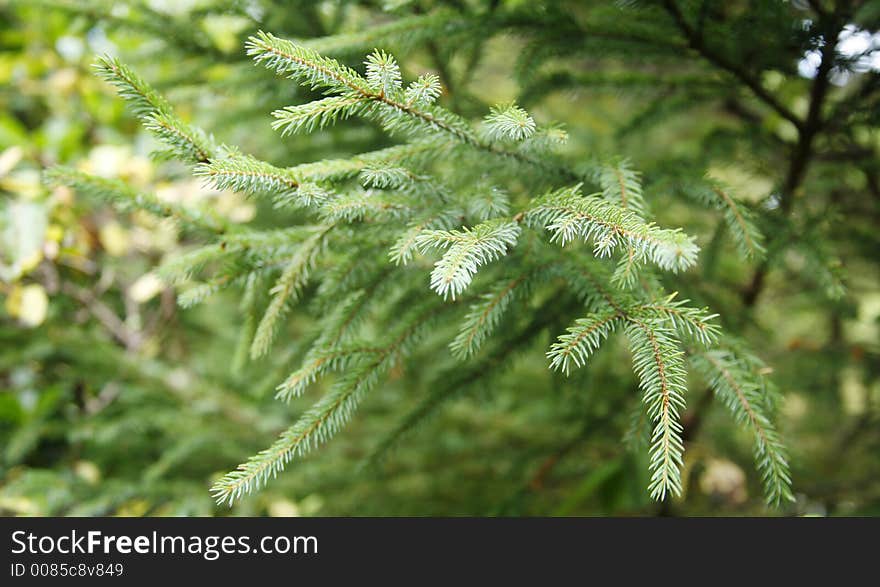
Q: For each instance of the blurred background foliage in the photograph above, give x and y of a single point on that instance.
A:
(113, 401)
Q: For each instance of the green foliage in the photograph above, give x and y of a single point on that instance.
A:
(611, 222)
(569, 215)
(494, 311)
(509, 121)
(121, 195)
(465, 251)
(184, 141)
(749, 397)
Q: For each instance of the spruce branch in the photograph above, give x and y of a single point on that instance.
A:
(248, 306)
(391, 109)
(485, 315)
(659, 364)
(384, 178)
(693, 323)
(466, 250)
(327, 352)
(143, 100)
(358, 205)
(316, 115)
(296, 61)
(182, 266)
(453, 382)
(424, 91)
(488, 202)
(293, 278)
(122, 196)
(412, 155)
(509, 122)
(569, 215)
(320, 363)
(383, 73)
(742, 390)
(323, 420)
(407, 243)
(186, 142)
(254, 177)
(622, 185)
(738, 218)
(401, 33)
(626, 274)
(391, 204)
(197, 294)
(591, 281)
(308, 184)
(582, 340)
(698, 44)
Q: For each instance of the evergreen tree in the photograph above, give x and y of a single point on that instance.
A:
(437, 241)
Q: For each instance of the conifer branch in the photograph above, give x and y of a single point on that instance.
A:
(143, 100)
(407, 244)
(746, 231)
(582, 340)
(326, 353)
(466, 251)
(333, 360)
(622, 185)
(326, 417)
(465, 189)
(308, 184)
(185, 141)
(182, 266)
(286, 290)
(741, 390)
(694, 323)
(359, 205)
(737, 216)
(569, 215)
(127, 199)
(247, 174)
(509, 122)
(392, 109)
(316, 115)
(659, 364)
(248, 307)
(485, 315)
